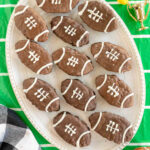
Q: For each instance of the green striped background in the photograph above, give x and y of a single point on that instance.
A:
(142, 40)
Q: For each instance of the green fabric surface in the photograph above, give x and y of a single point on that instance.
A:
(8, 98)
(3, 67)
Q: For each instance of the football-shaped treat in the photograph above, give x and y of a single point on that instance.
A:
(31, 24)
(115, 91)
(34, 57)
(143, 148)
(70, 31)
(113, 127)
(78, 95)
(111, 57)
(41, 94)
(98, 16)
(72, 129)
(72, 62)
(57, 6)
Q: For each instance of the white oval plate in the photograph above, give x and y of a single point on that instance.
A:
(42, 121)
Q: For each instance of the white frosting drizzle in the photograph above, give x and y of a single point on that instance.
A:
(124, 100)
(49, 104)
(21, 12)
(24, 47)
(61, 57)
(78, 42)
(78, 141)
(109, 24)
(83, 9)
(69, 85)
(100, 86)
(43, 67)
(98, 121)
(90, 99)
(120, 68)
(125, 132)
(40, 34)
(31, 86)
(42, 3)
(102, 46)
(55, 27)
(60, 120)
(70, 5)
(82, 71)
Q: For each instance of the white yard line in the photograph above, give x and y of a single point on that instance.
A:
(7, 5)
(146, 71)
(141, 36)
(147, 107)
(4, 74)
(2, 40)
(131, 2)
(139, 144)
(47, 145)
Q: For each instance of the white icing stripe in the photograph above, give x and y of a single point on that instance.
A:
(78, 141)
(42, 3)
(23, 48)
(55, 27)
(78, 42)
(31, 86)
(60, 120)
(70, 5)
(21, 12)
(124, 100)
(43, 67)
(37, 37)
(49, 104)
(69, 85)
(120, 69)
(62, 56)
(109, 24)
(84, 8)
(100, 86)
(90, 99)
(98, 121)
(82, 71)
(125, 132)
(102, 46)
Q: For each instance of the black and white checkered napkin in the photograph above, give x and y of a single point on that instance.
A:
(14, 134)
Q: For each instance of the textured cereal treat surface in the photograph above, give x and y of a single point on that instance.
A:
(78, 95)
(41, 94)
(31, 24)
(71, 129)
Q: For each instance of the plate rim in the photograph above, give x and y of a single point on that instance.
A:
(33, 122)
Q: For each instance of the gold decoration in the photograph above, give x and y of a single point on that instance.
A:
(123, 2)
(139, 9)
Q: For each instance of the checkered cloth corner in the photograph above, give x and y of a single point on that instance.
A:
(14, 134)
